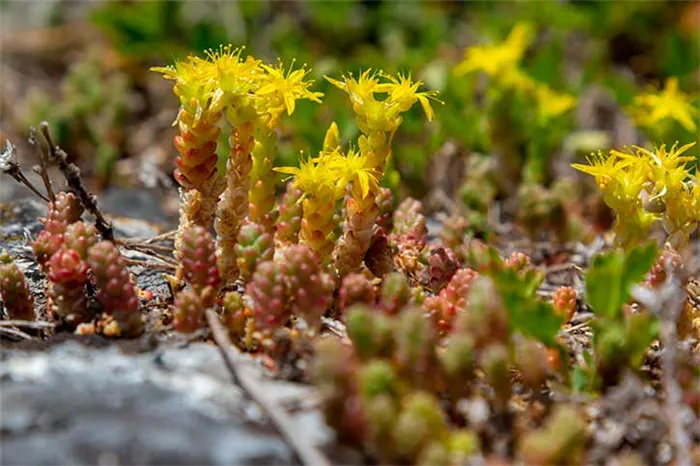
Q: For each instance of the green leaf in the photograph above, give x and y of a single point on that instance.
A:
(579, 379)
(610, 278)
(604, 284)
(638, 263)
(642, 330)
(527, 314)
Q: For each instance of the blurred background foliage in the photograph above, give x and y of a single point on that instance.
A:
(585, 49)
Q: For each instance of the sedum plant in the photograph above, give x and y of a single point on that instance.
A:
(253, 97)
(648, 187)
(14, 289)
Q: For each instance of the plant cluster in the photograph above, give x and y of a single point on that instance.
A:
(74, 260)
(648, 187)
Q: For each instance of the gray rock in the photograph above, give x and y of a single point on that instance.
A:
(74, 404)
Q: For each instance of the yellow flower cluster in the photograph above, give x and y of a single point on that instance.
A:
(651, 108)
(501, 62)
(646, 187)
(253, 96)
(378, 119)
(224, 77)
(323, 180)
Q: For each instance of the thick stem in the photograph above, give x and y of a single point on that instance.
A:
(361, 212)
(196, 171)
(357, 236)
(262, 189)
(233, 206)
(317, 224)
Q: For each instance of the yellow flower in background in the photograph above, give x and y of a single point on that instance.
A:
(552, 104)
(496, 59)
(646, 186)
(650, 108)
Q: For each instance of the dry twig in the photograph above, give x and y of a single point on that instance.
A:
(43, 169)
(149, 265)
(10, 167)
(306, 451)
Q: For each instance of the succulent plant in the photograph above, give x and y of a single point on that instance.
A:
(394, 294)
(268, 293)
(442, 265)
(421, 420)
(409, 235)
(564, 301)
(385, 203)
(487, 320)
(189, 312)
(290, 212)
(309, 288)
(254, 245)
(415, 353)
(559, 441)
(80, 237)
(46, 245)
(518, 261)
(452, 300)
(668, 261)
(66, 209)
(14, 289)
(494, 360)
(356, 288)
(199, 258)
(68, 275)
(371, 332)
(235, 315)
(116, 292)
(335, 368)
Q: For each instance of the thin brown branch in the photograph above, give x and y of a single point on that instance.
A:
(10, 167)
(148, 251)
(72, 175)
(306, 451)
(150, 265)
(43, 169)
(153, 239)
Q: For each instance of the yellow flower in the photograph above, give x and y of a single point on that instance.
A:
(196, 85)
(355, 168)
(652, 107)
(332, 139)
(282, 89)
(551, 104)
(362, 90)
(605, 168)
(236, 77)
(496, 59)
(315, 175)
(403, 93)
